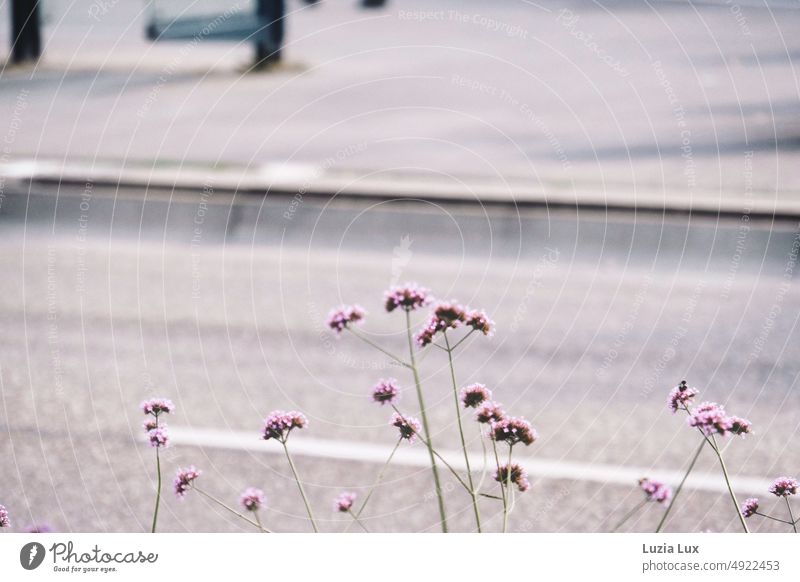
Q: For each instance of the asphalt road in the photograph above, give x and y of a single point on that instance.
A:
(598, 316)
(658, 98)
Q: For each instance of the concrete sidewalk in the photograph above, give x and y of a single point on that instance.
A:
(663, 106)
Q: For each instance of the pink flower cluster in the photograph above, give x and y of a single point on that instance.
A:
(514, 430)
(386, 391)
(344, 502)
(450, 315)
(518, 476)
(156, 406)
(655, 490)
(750, 507)
(4, 520)
(710, 418)
(474, 395)
(680, 396)
(278, 424)
(156, 432)
(342, 317)
(490, 412)
(409, 427)
(784, 486)
(184, 479)
(252, 499)
(408, 297)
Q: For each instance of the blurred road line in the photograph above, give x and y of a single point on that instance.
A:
(313, 181)
(416, 456)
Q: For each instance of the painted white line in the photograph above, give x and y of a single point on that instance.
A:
(416, 456)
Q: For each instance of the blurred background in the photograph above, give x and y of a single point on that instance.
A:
(187, 188)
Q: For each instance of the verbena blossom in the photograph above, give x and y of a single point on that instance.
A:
(784, 486)
(183, 480)
(252, 499)
(710, 418)
(739, 426)
(474, 395)
(344, 502)
(156, 406)
(278, 424)
(342, 317)
(479, 321)
(518, 476)
(409, 297)
(655, 490)
(158, 437)
(409, 427)
(680, 396)
(150, 424)
(489, 412)
(386, 391)
(513, 430)
(749, 507)
(4, 519)
(446, 315)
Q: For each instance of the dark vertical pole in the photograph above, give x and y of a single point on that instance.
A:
(26, 40)
(270, 39)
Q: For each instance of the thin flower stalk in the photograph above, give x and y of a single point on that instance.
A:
(472, 491)
(231, 510)
(300, 487)
(377, 482)
(680, 487)
(628, 515)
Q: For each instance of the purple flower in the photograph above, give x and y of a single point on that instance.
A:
(410, 297)
(386, 391)
(344, 502)
(183, 480)
(739, 426)
(514, 430)
(474, 395)
(278, 424)
(446, 315)
(4, 520)
(749, 507)
(710, 418)
(158, 437)
(518, 476)
(252, 499)
(489, 412)
(680, 396)
(345, 315)
(150, 424)
(784, 486)
(156, 406)
(479, 321)
(655, 491)
(409, 427)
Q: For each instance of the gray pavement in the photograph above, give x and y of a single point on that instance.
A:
(656, 103)
(597, 315)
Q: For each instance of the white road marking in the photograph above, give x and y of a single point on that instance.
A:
(417, 456)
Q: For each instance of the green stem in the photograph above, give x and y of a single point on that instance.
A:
(508, 490)
(474, 497)
(300, 486)
(377, 347)
(629, 515)
(377, 482)
(791, 515)
(232, 510)
(680, 487)
(425, 427)
(502, 488)
(773, 518)
(728, 483)
(158, 491)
